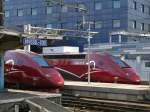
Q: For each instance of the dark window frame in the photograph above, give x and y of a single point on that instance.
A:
(18, 13)
(81, 56)
(147, 64)
(113, 4)
(135, 5)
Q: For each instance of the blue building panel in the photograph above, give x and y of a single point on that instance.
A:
(126, 11)
(139, 16)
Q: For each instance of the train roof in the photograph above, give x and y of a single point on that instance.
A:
(78, 53)
(24, 52)
(69, 55)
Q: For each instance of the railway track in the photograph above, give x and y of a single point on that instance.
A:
(81, 104)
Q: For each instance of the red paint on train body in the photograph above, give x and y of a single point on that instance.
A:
(104, 68)
(31, 70)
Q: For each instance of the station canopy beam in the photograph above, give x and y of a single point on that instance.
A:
(130, 34)
(9, 39)
(51, 33)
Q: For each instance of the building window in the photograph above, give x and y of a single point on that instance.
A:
(33, 11)
(7, 13)
(134, 24)
(81, 6)
(149, 10)
(20, 26)
(116, 3)
(142, 26)
(79, 25)
(142, 8)
(149, 28)
(147, 64)
(98, 6)
(35, 25)
(64, 9)
(20, 12)
(116, 23)
(49, 26)
(98, 24)
(49, 10)
(134, 5)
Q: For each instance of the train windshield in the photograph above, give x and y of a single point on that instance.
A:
(40, 61)
(120, 62)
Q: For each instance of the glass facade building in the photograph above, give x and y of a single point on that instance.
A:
(106, 15)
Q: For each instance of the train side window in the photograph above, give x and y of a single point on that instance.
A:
(19, 62)
(147, 64)
(40, 61)
(120, 62)
(100, 62)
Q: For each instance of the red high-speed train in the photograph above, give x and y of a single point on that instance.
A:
(29, 69)
(104, 68)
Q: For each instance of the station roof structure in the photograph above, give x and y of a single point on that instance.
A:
(9, 39)
(130, 34)
(52, 33)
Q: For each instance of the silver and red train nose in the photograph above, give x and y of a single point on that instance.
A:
(55, 79)
(135, 79)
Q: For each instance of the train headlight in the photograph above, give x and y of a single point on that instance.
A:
(35, 78)
(137, 80)
(47, 75)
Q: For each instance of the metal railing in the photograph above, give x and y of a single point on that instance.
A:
(125, 46)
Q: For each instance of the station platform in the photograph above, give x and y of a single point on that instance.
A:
(14, 100)
(112, 91)
(12, 95)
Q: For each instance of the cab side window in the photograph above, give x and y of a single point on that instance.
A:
(100, 62)
(19, 62)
